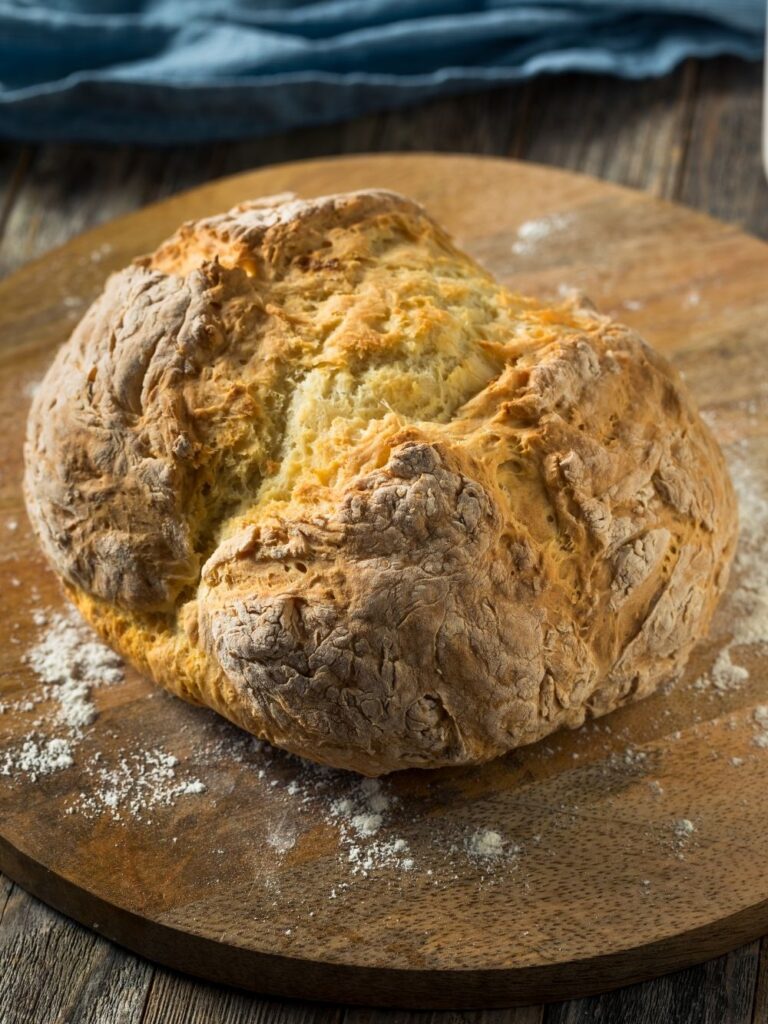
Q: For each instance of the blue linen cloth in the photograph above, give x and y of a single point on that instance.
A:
(165, 71)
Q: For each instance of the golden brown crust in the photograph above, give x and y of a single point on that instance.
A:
(309, 465)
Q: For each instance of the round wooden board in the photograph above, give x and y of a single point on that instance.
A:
(254, 882)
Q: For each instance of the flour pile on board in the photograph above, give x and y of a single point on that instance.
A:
(36, 757)
(760, 718)
(71, 662)
(70, 659)
(486, 842)
(683, 829)
(746, 604)
(282, 840)
(359, 816)
(364, 809)
(532, 232)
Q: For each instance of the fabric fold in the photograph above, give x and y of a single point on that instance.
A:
(167, 71)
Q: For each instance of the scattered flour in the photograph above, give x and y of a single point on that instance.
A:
(70, 662)
(36, 757)
(568, 291)
(366, 824)
(380, 854)
(98, 254)
(485, 843)
(359, 816)
(724, 674)
(281, 841)
(750, 595)
(746, 604)
(532, 232)
(24, 706)
(683, 830)
(138, 783)
(194, 787)
(633, 756)
(760, 717)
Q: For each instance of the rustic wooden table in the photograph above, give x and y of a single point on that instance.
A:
(693, 137)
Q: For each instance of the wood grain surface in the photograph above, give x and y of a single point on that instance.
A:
(253, 882)
(661, 136)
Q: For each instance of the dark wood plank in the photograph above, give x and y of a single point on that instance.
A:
(70, 187)
(516, 1015)
(489, 123)
(55, 970)
(14, 161)
(760, 1003)
(723, 172)
(175, 999)
(67, 189)
(632, 133)
(718, 992)
(693, 135)
(6, 887)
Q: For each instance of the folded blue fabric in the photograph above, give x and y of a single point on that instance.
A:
(166, 71)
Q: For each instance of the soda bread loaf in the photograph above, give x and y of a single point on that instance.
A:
(310, 465)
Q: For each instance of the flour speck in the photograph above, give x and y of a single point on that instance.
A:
(745, 606)
(36, 757)
(486, 842)
(72, 661)
(532, 232)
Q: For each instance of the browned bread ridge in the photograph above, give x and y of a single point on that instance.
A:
(310, 465)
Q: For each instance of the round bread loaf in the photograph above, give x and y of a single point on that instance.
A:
(310, 465)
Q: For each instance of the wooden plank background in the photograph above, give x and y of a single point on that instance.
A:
(693, 137)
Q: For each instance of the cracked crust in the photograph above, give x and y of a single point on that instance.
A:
(311, 466)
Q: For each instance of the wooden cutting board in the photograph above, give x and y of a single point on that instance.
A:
(631, 847)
